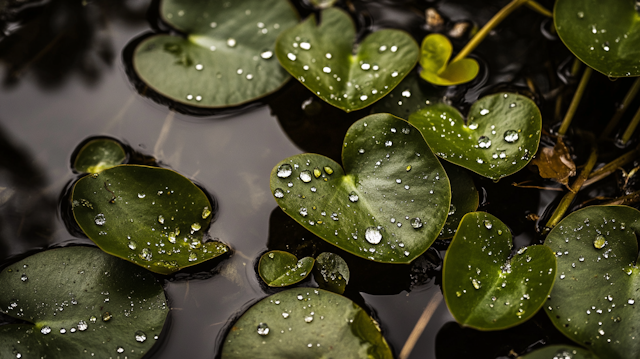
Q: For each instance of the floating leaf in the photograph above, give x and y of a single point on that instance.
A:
(499, 138)
(560, 352)
(595, 296)
(225, 59)
(435, 52)
(280, 269)
(486, 289)
(322, 58)
(464, 198)
(322, 4)
(79, 302)
(331, 272)
(387, 205)
(305, 323)
(151, 216)
(555, 163)
(99, 154)
(411, 95)
(604, 35)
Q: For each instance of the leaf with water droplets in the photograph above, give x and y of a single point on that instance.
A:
(498, 138)
(560, 352)
(411, 95)
(280, 269)
(603, 34)
(435, 52)
(331, 272)
(99, 154)
(225, 59)
(151, 216)
(387, 205)
(595, 296)
(67, 290)
(484, 286)
(464, 198)
(305, 323)
(323, 59)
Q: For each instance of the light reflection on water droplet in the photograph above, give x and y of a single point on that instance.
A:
(291, 57)
(484, 142)
(278, 193)
(353, 197)
(140, 336)
(600, 242)
(284, 171)
(373, 235)
(231, 42)
(305, 176)
(511, 136)
(266, 55)
(99, 219)
(487, 224)
(305, 45)
(416, 223)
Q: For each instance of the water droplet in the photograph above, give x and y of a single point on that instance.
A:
(160, 219)
(291, 57)
(82, 326)
(300, 297)
(285, 315)
(476, 284)
(24, 278)
(120, 350)
(394, 74)
(473, 126)
(488, 224)
(199, 67)
(580, 14)
(278, 193)
(484, 142)
(140, 336)
(361, 151)
(484, 111)
(631, 301)
(284, 171)
(605, 46)
(326, 70)
(303, 211)
(213, 25)
(308, 319)
(452, 209)
(305, 176)
(353, 197)
(132, 245)
(365, 66)
(373, 235)
(328, 170)
(195, 227)
(141, 195)
(266, 55)
(93, 319)
(193, 257)
(364, 97)
(231, 42)
(394, 48)
(305, 45)
(146, 254)
(511, 136)
(45, 330)
(600, 242)
(106, 316)
(99, 219)
(416, 223)
(328, 55)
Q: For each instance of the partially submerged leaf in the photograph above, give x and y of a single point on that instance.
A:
(484, 287)
(555, 163)
(305, 323)
(151, 216)
(99, 154)
(79, 302)
(560, 352)
(280, 269)
(435, 52)
(331, 272)
(464, 198)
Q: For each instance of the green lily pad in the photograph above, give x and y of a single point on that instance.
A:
(153, 217)
(224, 59)
(603, 34)
(595, 296)
(387, 205)
(464, 198)
(560, 352)
(98, 155)
(486, 289)
(280, 269)
(79, 302)
(305, 323)
(411, 95)
(435, 52)
(323, 59)
(499, 137)
(331, 272)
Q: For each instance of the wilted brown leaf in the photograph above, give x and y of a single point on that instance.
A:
(555, 163)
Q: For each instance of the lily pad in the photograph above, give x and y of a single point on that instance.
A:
(387, 205)
(98, 155)
(499, 137)
(322, 58)
(224, 59)
(280, 269)
(79, 302)
(484, 287)
(411, 95)
(435, 53)
(153, 217)
(595, 296)
(331, 272)
(604, 35)
(560, 352)
(305, 323)
(464, 198)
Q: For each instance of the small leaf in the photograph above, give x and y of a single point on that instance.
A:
(331, 272)
(98, 155)
(305, 323)
(322, 58)
(486, 289)
(280, 269)
(560, 352)
(555, 163)
(499, 138)
(434, 57)
(153, 217)
(76, 301)
(464, 198)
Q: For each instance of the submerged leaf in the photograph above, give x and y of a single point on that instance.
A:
(464, 198)
(331, 272)
(555, 163)
(99, 154)
(434, 58)
(280, 269)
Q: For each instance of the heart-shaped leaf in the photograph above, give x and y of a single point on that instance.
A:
(280, 269)
(435, 52)
(603, 34)
(323, 59)
(387, 205)
(486, 289)
(411, 95)
(331, 272)
(153, 217)
(595, 296)
(499, 137)
(305, 323)
(560, 352)
(99, 154)
(79, 302)
(225, 59)
(464, 198)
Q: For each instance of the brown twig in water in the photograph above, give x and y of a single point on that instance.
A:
(420, 325)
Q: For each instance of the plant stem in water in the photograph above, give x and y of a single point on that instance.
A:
(420, 325)
(633, 91)
(612, 166)
(533, 5)
(575, 102)
(627, 200)
(626, 136)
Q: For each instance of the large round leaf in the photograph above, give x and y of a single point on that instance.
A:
(79, 302)
(322, 57)
(226, 57)
(151, 216)
(279, 268)
(388, 204)
(596, 294)
(305, 323)
(464, 198)
(486, 289)
(603, 34)
(499, 137)
(560, 352)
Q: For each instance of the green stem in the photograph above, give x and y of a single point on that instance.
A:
(627, 200)
(626, 136)
(564, 204)
(495, 20)
(539, 8)
(612, 166)
(575, 101)
(633, 91)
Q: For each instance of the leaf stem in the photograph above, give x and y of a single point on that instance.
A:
(535, 6)
(495, 20)
(633, 91)
(627, 200)
(626, 136)
(420, 325)
(575, 101)
(612, 166)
